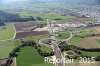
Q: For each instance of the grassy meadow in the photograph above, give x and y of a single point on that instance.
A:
(28, 56)
(7, 31)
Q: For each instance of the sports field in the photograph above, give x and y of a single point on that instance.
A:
(7, 31)
(28, 56)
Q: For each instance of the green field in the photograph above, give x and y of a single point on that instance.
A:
(26, 15)
(75, 40)
(98, 40)
(92, 54)
(63, 35)
(6, 47)
(56, 16)
(28, 56)
(79, 37)
(84, 34)
(36, 39)
(46, 49)
(7, 31)
(46, 15)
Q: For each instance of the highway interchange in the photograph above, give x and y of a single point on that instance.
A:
(54, 44)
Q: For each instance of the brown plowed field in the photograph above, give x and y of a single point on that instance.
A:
(96, 30)
(2, 61)
(24, 26)
(30, 34)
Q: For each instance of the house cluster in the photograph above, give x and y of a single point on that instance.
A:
(68, 25)
(62, 27)
(87, 11)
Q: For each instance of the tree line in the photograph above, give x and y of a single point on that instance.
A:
(78, 50)
(16, 50)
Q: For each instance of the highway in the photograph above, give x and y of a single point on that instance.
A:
(56, 49)
(57, 53)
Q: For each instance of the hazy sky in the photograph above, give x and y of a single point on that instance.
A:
(67, 1)
(9, 1)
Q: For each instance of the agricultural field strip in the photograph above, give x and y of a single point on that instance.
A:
(24, 26)
(32, 54)
(13, 36)
(30, 34)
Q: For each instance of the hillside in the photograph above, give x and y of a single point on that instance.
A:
(9, 17)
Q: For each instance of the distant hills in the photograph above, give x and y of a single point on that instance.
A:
(9, 17)
(6, 17)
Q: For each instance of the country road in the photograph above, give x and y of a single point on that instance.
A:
(15, 31)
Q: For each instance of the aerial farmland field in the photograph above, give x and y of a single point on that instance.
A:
(7, 31)
(63, 35)
(6, 47)
(28, 56)
(49, 33)
(87, 42)
(30, 34)
(25, 26)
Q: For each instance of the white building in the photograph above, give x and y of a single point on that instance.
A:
(66, 25)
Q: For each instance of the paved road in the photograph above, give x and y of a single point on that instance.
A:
(57, 53)
(49, 27)
(55, 45)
